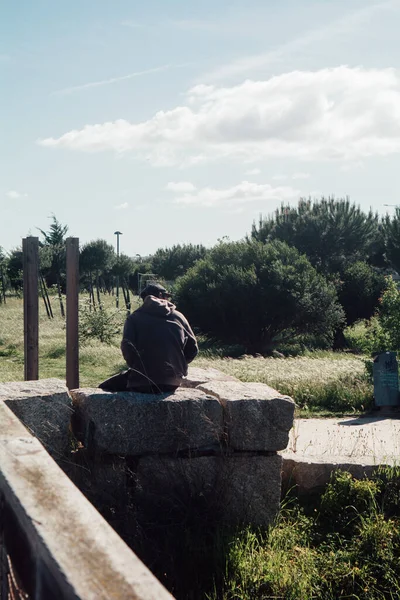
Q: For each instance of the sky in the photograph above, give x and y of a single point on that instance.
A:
(181, 122)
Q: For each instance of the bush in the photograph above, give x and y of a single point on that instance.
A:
(367, 337)
(101, 324)
(389, 315)
(258, 295)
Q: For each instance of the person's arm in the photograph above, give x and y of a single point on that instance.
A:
(191, 348)
(128, 347)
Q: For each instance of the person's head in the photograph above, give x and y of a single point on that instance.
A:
(157, 290)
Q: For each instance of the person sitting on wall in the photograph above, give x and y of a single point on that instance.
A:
(158, 344)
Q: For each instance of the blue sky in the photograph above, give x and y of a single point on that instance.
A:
(182, 121)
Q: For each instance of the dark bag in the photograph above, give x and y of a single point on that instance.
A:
(116, 383)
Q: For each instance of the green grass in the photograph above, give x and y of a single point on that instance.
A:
(320, 382)
(345, 545)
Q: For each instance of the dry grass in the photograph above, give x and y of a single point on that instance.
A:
(323, 381)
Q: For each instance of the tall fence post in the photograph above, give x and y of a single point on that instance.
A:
(30, 247)
(72, 313)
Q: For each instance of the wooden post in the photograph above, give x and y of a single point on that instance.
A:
(72, 313)
(30, 247)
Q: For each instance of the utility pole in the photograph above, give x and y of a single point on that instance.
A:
(117, 233)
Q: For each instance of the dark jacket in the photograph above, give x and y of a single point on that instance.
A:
(158, 343)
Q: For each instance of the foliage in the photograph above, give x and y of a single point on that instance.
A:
(124, 266)
(367, 337)
(14, 268)
(54, 240)
(170, 263)
(330, 232)
(391, 226)
(96, 256)
(258, 295)
(102, 325)
(360, 288)
(389, 315)
(344, 544)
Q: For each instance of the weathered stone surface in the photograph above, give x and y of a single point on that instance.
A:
(197, 376)
(65, 548)
(312, 475)
(257, 417)
(132, 424)
(317, 447)
(45, 408)
(232, 488)
(253, 489)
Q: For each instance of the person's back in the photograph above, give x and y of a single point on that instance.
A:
(158, 343)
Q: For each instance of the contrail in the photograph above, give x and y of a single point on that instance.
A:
(92, 84)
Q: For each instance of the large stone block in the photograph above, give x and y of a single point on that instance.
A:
(253, 489)
(45, 408)
(230, 488)
(197, 376)
(257, 417)
(133, 424)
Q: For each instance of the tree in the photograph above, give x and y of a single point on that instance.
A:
(389, 316)
(96, 258)
(170, 263)
(360, 288)
(391, 227)
(55, 240)
(332, 233)
(258, 295)
(123, 269)
(3, 265)
(14, 269)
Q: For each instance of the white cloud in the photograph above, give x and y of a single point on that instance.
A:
(14, 195)
(253, 172)
(122, 206)
(301, 175)
(342, 113)
(237, 195)
(180, 186)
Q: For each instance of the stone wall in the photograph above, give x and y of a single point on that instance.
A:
(216, 438)
(209, 451)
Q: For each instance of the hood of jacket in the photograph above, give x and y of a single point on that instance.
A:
(157, 306)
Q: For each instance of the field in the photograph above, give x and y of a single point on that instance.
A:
(322, 382)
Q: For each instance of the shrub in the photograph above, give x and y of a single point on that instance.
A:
(367, 337)
(389, 314)
(258, 295)
(101, 324)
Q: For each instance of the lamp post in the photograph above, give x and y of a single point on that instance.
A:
(117, 233)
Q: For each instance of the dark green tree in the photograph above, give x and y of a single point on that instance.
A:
(391, 227)
(258, 295)
(170, 263)
(14, 269)
(332, 233)
(96, 260)
(3, 280)
(54, 239)
(360, 289)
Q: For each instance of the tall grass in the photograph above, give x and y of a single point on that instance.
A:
(322, 382)
(345, 545)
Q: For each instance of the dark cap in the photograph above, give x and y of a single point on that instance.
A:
(154, 289)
